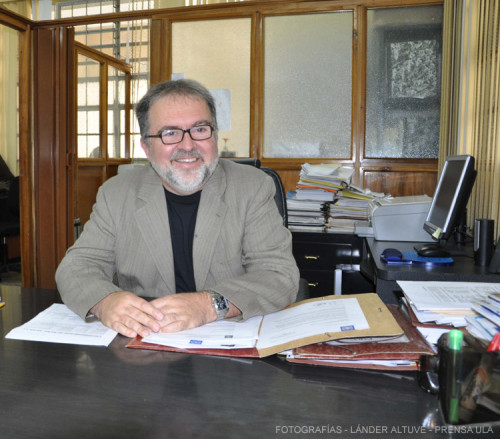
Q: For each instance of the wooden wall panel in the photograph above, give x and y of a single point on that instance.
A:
(89, 180)
(401, 183)
(289, 178)
(51, 151)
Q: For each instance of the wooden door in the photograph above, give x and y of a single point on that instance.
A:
(102, 123)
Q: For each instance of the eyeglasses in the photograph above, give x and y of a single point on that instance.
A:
(170, 136)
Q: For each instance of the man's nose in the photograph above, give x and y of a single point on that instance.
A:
(187, 142)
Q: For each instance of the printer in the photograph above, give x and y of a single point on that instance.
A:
(400, 218)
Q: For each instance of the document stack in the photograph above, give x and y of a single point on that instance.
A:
(344, 213)
(326, 200)
(355, 317)
(486, 323)
(305, 215)
(436, 307)
(385, 353)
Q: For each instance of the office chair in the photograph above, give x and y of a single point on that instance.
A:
(10, 225)
(280, 199)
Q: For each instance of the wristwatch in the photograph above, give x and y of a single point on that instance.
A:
(220, 304)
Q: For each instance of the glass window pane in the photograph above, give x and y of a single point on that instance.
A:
(404, 85)
(88, 108)
(135, 145)
(128, 41)
(217, 54)
(307, 98)
(9, 102)
(116, 111)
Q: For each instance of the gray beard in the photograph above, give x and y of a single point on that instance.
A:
(191, 182)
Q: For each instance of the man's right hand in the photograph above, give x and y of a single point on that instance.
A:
(128, 314)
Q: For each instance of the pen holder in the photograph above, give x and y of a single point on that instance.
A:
(469, 384)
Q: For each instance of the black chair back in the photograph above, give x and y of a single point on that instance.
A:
(280, 196)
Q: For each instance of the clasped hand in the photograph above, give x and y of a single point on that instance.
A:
(131, 315)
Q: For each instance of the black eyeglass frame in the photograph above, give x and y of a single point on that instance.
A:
(212, 129)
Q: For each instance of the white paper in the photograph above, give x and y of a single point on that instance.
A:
(58, 324)
(386, 363)
(446, 295)
(431, 335)
(222, 334)
(310, 319)
(456, 320)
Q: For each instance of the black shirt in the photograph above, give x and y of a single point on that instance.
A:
(182, 212)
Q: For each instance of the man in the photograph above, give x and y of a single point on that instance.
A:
(216, 248)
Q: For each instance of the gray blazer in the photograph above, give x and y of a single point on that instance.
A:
(241, 248)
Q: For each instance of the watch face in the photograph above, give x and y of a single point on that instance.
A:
(220, 302)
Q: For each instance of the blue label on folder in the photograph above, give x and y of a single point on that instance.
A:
(347, 328)
(195, 341)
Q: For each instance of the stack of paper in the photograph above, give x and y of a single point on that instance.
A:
(458, 304)
(487, 321)
(305, 214)
(344, 203)
(396, 353)
(307, 322)
(345, 213)
(222, 334)
(328, 176)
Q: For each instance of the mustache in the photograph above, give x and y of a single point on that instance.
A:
(183, 154)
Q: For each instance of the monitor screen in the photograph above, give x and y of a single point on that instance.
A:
(451, 196)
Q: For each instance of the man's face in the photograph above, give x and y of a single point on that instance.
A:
(183, 167)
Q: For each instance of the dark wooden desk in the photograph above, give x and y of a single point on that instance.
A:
(385, 276)
(65, 391)
(321, 257)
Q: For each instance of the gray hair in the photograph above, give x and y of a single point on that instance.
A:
(180, 87)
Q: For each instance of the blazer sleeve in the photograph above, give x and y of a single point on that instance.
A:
(84, 276)
(270, 280)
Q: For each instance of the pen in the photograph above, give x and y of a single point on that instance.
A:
(455, 338)
(495, 343)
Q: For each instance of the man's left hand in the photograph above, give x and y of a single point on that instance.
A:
(185, 311)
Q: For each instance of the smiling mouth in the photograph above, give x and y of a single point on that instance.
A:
(187, 160)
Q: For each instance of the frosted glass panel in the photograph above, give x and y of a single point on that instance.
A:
(217, 54)
(403, 82)
(307, 99)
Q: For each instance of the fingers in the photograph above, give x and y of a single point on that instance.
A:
(184, 311)
(176, 325)
(128, 314)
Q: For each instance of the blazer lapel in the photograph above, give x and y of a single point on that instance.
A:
(152, 221)
(210, 219)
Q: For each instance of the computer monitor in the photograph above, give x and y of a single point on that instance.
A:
(451, 196)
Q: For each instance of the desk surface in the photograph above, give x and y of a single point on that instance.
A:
(67, 391)
(462, 270)
(385, 276)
